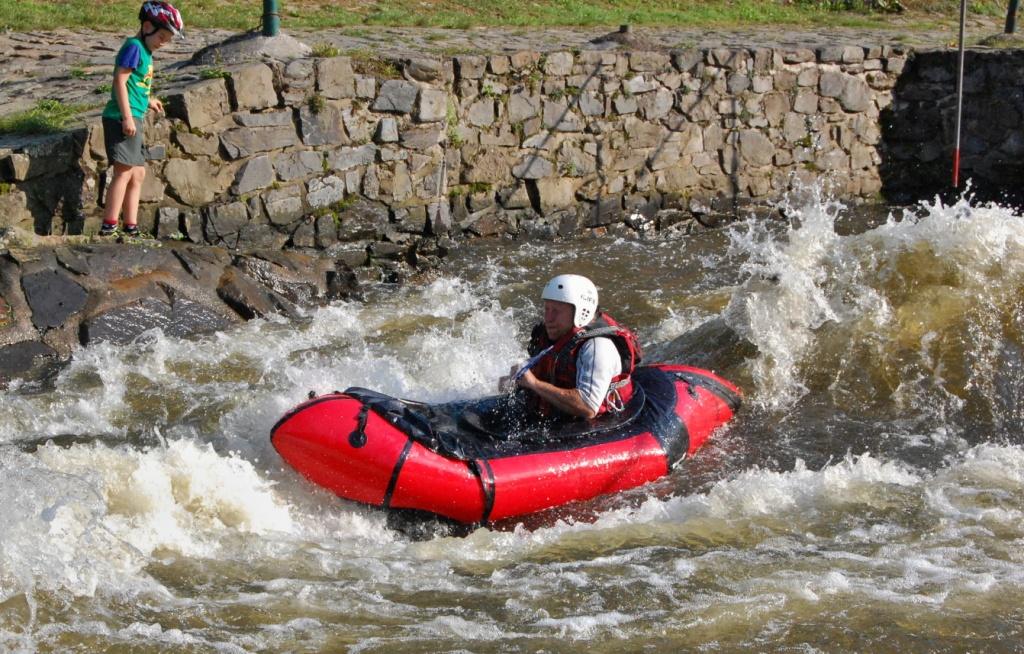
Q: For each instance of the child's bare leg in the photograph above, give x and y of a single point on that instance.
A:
(116, 192)
(132, 194)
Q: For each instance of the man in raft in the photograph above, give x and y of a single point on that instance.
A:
(582, 359)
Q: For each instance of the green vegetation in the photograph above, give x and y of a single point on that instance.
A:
(368, 62)
(120, 15)
(6, 188)
(214, 73)
(451, 121)
(47, 117)
(325, 50)
(316, 103)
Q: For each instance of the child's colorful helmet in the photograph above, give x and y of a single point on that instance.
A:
(162, 14)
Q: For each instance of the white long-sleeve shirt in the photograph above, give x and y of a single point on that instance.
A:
(597, 363)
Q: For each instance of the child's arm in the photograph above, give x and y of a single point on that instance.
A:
(121, 95)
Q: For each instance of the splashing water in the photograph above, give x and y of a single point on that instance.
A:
(870, 493)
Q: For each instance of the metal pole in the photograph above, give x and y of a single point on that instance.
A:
(959, 95)
(271, 18)
(1011, 17)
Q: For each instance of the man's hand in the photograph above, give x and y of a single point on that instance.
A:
(566, 400)
(156, 105)
(128, 126)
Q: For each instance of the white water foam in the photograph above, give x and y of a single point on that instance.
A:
(933, 263)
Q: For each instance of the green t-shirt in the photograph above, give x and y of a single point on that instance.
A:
(135, 56)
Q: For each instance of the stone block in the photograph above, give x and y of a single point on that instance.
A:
(421, 138)
(252, 87)
(524, 59)
(366, 87)
(191, 182)
(806, 102)
(224, 222)
(335, 78)
(523, 105)
(648, 62)
(433, 106)
(533, 166)
(322, 126)
(244, 141)
(555, 193)
(387, 130)
(560, 118)
(423, 69)
(396, 96)
(201, 104)
(490, 166)
(298, 165)
(264, 119)
(284, 206)
(256, 173)
(322, 193)
(625, 104)
(363, 220)
(53, 297)
(640, 84)
(470, 67)
(481, 113)
(558, 64)
(499, 64)
(756, 149)
(687, 60)
(655, 106)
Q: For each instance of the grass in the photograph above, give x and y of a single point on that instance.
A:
(25, 15)
(47, 117)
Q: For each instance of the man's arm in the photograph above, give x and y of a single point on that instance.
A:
(566, 400)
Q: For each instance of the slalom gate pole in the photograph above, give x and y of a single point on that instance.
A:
(959, 95)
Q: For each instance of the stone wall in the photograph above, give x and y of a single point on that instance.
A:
(390, 163)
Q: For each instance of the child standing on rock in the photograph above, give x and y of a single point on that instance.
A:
(124, 113)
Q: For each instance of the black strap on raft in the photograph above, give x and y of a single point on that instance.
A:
(393, 482)
(482, 469)
(357, 438)
(727, 395)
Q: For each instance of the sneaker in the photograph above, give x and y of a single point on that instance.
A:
(108, 229)
(131, 230)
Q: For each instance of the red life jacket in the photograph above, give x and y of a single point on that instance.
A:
(558, 367)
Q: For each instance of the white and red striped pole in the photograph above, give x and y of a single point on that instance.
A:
(959, 95)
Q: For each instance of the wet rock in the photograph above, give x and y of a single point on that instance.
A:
(179, 319)
(250, 300)
(52, 297)
(224, 222)
(363, 220)
(27, 359)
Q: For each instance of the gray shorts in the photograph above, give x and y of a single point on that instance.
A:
(126, 150)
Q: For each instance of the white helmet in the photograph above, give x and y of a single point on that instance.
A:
(576, 290)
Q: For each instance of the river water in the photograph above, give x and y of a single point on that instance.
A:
(868, 497)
